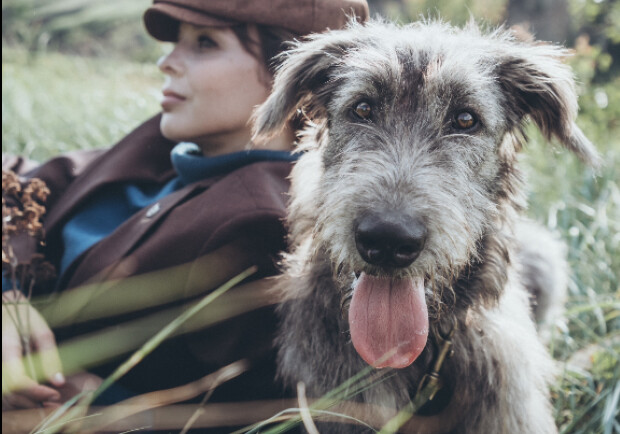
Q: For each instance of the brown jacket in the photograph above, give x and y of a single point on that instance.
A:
(140, 277)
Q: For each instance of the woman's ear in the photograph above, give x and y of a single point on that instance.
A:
(538, 84)
(300, 81)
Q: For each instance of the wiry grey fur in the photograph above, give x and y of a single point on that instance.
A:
(408, 160)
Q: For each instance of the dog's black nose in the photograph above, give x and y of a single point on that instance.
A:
(390, 240)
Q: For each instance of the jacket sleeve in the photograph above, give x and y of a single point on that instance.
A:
(59, 172)
(18, 164)
(25, 245)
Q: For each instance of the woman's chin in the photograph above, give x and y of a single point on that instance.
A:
(171, 129)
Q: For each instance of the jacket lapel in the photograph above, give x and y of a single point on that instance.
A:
(107, 259)
(143, 155)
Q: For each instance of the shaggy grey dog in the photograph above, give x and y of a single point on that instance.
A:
(402, 220)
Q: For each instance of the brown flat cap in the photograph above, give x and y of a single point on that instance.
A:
(299, 16)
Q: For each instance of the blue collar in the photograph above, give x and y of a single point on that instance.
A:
(192, 166)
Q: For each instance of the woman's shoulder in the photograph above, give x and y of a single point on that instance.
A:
(260, 185)
(249, 200)
(73, 162)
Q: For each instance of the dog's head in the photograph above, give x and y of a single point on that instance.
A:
(411, 157)
(532, 77)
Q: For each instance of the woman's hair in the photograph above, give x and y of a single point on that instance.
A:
(273, 41)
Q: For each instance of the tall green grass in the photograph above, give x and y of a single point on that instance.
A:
(583, 207)
(53, 103)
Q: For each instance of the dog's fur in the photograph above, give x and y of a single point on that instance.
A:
(408, 159)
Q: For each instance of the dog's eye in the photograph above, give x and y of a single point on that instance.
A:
(464, 121)
(362, 110)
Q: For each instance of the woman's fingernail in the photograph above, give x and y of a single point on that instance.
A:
(59, 378)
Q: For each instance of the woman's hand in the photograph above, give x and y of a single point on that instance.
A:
(78, 383)
(25, 332)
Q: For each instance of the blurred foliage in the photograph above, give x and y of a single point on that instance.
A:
(456, 11)
(596, 21)
(583, 207)
(599, 22)
(111, 28)
(53, 103)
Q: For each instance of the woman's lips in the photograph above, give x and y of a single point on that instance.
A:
(170, 99)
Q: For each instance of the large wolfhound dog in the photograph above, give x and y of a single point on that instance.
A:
(401, 220)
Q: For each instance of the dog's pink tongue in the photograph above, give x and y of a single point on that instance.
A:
(388, 320)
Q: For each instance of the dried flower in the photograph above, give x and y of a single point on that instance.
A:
(22, 210)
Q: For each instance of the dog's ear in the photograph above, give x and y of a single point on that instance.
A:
(300, 81)
(539, 84)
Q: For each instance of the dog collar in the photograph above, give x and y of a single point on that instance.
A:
(431, 383)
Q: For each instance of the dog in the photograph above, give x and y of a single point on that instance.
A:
(401, 223)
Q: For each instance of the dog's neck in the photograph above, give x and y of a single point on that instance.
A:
(483, 281)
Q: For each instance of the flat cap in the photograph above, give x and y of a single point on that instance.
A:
(299, 16)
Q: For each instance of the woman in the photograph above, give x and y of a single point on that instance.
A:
(172, 211)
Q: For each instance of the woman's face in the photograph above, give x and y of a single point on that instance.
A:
(212, 85)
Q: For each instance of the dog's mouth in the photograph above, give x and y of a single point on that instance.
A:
(388, 320)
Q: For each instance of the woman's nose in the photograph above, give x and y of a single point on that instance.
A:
(170, 63)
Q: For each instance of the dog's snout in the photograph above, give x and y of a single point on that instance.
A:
(390, 240)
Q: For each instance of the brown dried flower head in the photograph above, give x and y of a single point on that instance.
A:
(22, 210)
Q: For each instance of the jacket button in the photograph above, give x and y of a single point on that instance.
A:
(153, 210)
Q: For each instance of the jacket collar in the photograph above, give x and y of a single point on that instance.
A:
(192, 166)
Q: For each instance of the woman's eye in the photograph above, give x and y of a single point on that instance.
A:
(464, 121)
(206, 42)
(362, 110)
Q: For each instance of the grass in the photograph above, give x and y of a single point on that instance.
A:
(53, 103)
(66, 415)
